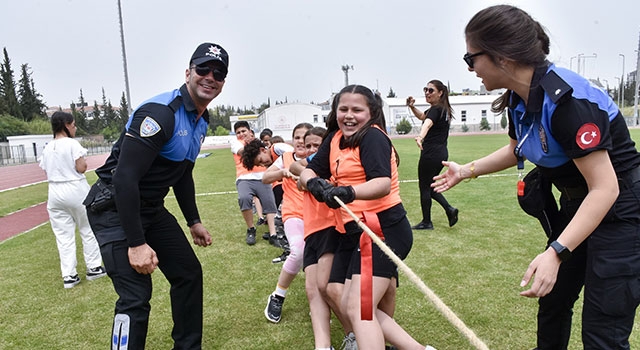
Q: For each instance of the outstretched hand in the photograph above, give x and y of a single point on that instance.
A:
(448, 179)
(545, 268)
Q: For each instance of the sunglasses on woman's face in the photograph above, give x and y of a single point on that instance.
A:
(428, 90)
(203, 71)
(468, 57)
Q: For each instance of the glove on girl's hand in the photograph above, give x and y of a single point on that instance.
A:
(317, 186)
(345, 193)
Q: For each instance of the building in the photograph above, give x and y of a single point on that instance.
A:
(469, 110)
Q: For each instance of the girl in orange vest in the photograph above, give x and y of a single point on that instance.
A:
(358, 159)
(292, 218)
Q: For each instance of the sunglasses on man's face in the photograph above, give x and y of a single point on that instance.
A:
(428, 90)
(468, 57)
(203, 71)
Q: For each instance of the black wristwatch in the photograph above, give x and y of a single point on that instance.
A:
(563, 252)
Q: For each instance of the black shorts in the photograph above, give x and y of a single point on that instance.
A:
(398, 237)
(318, 244)
(347, 245)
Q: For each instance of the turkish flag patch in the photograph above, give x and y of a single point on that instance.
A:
(588, 136)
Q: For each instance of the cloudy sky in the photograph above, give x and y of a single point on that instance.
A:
(289, 49)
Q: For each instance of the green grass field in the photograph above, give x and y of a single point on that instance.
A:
(474, 267)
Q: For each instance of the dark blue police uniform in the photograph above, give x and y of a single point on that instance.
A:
(156, 151)
(567, 118)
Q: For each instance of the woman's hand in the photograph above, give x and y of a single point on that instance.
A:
(419, 140)
(410, 101)
(545, 268)
(448, 179)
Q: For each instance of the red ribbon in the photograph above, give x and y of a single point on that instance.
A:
(366, 265)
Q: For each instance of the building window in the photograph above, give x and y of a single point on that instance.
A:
(463, 116)
(315, 118)
(484, 113)
(324, 119)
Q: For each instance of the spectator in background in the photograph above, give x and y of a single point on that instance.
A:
(63, 161)
(432, 141)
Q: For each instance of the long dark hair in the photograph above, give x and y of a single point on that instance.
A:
(444, 99)
(59, 121)
(509, 32)
(374, 102)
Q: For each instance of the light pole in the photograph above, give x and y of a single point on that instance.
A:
(622, 81)
(124, 60)
(345, 69)
(584, 66)
(618, 101)
(571, 62)
(607, 82)
(579, 55)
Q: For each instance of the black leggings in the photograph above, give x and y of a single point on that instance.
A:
(427, 169)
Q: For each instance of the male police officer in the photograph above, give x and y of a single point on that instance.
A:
(157, 150)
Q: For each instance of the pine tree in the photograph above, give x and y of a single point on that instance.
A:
(391, 93)
(123, 113)
(8, 89)
(30, 100)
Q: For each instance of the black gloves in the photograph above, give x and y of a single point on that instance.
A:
(317, 186)
(345, 193)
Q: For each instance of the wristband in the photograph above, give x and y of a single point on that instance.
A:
(193, 222)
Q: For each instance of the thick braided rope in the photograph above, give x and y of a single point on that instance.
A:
(437, 302)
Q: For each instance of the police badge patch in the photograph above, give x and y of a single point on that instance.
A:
(149, 127)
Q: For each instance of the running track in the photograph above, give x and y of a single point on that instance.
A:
(16, 176)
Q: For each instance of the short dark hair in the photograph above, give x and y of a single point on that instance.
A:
(266, 132)
(250, 152)
(240, 124)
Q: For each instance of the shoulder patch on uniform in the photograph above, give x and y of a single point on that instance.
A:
(588, 136)
(149, 127)
(555, 86)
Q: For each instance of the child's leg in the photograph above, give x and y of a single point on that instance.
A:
(320, 311)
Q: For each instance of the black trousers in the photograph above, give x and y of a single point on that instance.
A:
(429, 167)
(178, 263)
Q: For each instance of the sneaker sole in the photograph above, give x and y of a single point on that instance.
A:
(266, 311)
(71, 285)
(95, 277)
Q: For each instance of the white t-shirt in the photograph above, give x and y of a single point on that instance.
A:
(58, 160)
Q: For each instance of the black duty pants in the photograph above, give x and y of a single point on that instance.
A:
(180, 266)
(429, 167)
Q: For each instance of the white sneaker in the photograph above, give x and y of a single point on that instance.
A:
(95, 273)
(70, 281)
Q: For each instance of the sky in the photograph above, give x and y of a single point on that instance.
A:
(291, 50)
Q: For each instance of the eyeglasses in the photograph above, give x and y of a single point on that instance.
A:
(203, 71)
(428, 90)
(468, 57)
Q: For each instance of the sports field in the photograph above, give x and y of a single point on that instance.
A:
(474, 267)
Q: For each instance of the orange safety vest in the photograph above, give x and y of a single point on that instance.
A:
(347, 170)
(292, 197)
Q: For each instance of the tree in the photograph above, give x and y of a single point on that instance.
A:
(30, 100)
(503, 120)
(221, 131)
(8, 88)
(404, 127)
(484, 124)
(123, 113)
(81, 116)
(391, 93)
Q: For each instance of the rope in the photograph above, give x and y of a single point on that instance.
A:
(437, 302)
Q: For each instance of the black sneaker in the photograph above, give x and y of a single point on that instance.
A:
(261, 221)
(251, 236)
(95, 273)
(266, 235)
(70, 281)
(273, 311)
(275, 241)
(423, 226)
(281, 258)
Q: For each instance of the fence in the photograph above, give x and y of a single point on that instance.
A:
(10, 155)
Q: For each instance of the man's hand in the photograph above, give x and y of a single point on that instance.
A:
(143, 259)
(346, 194)
(318, 186)
(200, 234)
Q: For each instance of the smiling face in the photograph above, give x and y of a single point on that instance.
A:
(352, 113)
(202, 89)
(243, 134)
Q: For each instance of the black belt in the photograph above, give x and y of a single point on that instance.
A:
(626, 178)
(630, 176)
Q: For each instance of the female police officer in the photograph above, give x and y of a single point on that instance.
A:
(577, 137)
